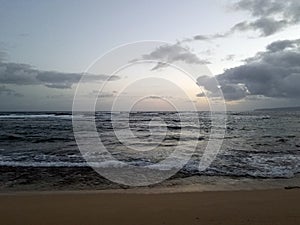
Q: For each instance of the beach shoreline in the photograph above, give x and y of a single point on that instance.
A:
(16, 179)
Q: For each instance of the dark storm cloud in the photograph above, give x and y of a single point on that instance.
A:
(168, 54)
(233, 92)
(273, 73)
(24, 74)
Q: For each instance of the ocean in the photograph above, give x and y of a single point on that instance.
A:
(38, 149)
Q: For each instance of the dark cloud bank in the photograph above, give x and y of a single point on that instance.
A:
(24, 74)
(269, 17)
(274, 73)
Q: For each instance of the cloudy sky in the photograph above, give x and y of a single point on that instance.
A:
(250, 47)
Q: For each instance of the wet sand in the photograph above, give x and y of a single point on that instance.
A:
(220, 207)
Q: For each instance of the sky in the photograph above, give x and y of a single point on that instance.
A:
(247, 49)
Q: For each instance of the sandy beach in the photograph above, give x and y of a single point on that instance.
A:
(220, 207)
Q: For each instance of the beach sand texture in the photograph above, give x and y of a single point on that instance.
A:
(264, 207)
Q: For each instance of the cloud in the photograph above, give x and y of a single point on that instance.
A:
(274, 73)
(24, 74)
(233, 92)
(229, 57)
(3, 56)
(96, 93)
(6, 91)
(154, 97)
(59, 86)
(159, 97)
(270, 16)
(168, 54)
(200, 95)
(288, 9)
(201, 37)
(282, 45)
(266, 26)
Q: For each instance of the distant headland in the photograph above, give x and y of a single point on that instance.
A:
(297, 108)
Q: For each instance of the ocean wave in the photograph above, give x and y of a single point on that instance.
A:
(255, 144)
(16, 116)
(33, 116)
